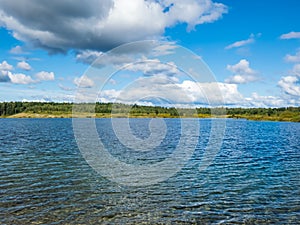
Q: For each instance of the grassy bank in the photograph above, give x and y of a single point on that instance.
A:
(108, 110)
(287, 117)
(102, 115)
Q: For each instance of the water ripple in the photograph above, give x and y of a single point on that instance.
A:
(254, 178)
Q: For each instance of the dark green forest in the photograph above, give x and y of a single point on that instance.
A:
(8, 109)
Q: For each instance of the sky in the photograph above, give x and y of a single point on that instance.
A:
(242, 53)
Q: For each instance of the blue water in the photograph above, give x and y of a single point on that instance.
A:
(254, 178)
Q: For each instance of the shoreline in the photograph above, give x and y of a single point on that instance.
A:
(119, 110)
(108, 115)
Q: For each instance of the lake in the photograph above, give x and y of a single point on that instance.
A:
(254, 177)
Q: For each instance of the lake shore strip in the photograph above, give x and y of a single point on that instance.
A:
(118, 110)
(108, 115)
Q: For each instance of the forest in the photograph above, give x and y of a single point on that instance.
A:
(52, 109)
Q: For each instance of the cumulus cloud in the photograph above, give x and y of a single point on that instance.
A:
(290, 85)
(4, 76)
(296, 70)
(187, 92)
(154, 67)
(6, 66)
(18, 50)
(195, 12)
(83, 82)
(45, 76)
(111, 22)
(41, 96)
(24, 65)
(242, 43)
(268, 101)
(99, 58)
(215, 93)
(293, 58)
(88, 56)
(242, 73)
(20, 78)
(164, 48)
(5, 69)
(127, 53)
(62, 87)
(291, 35)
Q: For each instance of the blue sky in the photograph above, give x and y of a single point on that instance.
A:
(251, 46)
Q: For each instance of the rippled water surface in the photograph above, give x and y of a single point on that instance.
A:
(254, 178)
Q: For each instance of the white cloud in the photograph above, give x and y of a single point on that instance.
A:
(20, 78)
(45, 76)
(187, 92)
(112, 81)
(296, 70)
(154, 67)
(4, 76)
(111, 22)
(257, 100)
(242, 73)
(214, 93)
(164, 49)
(195, 12)
(83, 82)
(238, 44)
(41, 96)
(88, 56)
(24, 65)
(290, 85)
(100, 58)
(5, 69)
(242, 67)
(291, 35)
(127, 53)
(35, 100)
(17, 50)
(65, 88)
(293, 58)
(5, 66)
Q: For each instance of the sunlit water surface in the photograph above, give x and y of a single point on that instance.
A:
(254, 179)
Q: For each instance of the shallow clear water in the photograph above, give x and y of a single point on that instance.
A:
(254, 179)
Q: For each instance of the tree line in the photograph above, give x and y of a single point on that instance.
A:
(11, 108)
